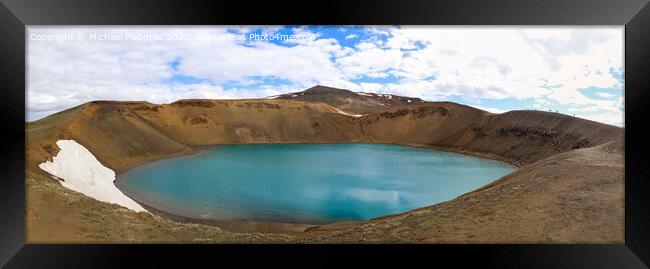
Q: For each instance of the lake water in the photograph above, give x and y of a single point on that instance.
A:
(308, 183)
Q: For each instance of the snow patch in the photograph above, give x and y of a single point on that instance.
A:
(409, 100)
(272, 97)
(82, 172)
(365, 94)
(294, 95)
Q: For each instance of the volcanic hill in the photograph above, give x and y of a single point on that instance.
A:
(349, 101)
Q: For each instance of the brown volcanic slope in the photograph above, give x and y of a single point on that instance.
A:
(569, 187)
(349, 101)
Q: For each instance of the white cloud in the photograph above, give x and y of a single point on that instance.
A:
(608, 118)
(549, 65)
(369, 60)
(604, 95)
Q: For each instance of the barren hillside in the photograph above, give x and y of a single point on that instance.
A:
(349, 101)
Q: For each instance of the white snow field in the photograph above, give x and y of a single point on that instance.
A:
(82, 172)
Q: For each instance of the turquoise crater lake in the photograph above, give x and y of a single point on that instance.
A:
(306, 183)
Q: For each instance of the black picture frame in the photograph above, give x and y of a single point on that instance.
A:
(634, 14)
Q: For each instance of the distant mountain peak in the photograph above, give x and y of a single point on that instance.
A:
(349, 101)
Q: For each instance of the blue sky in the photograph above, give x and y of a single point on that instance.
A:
(574, 70)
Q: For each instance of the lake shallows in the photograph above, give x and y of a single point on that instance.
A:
(308, 183)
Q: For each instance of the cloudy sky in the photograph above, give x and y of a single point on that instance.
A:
(574, 70)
